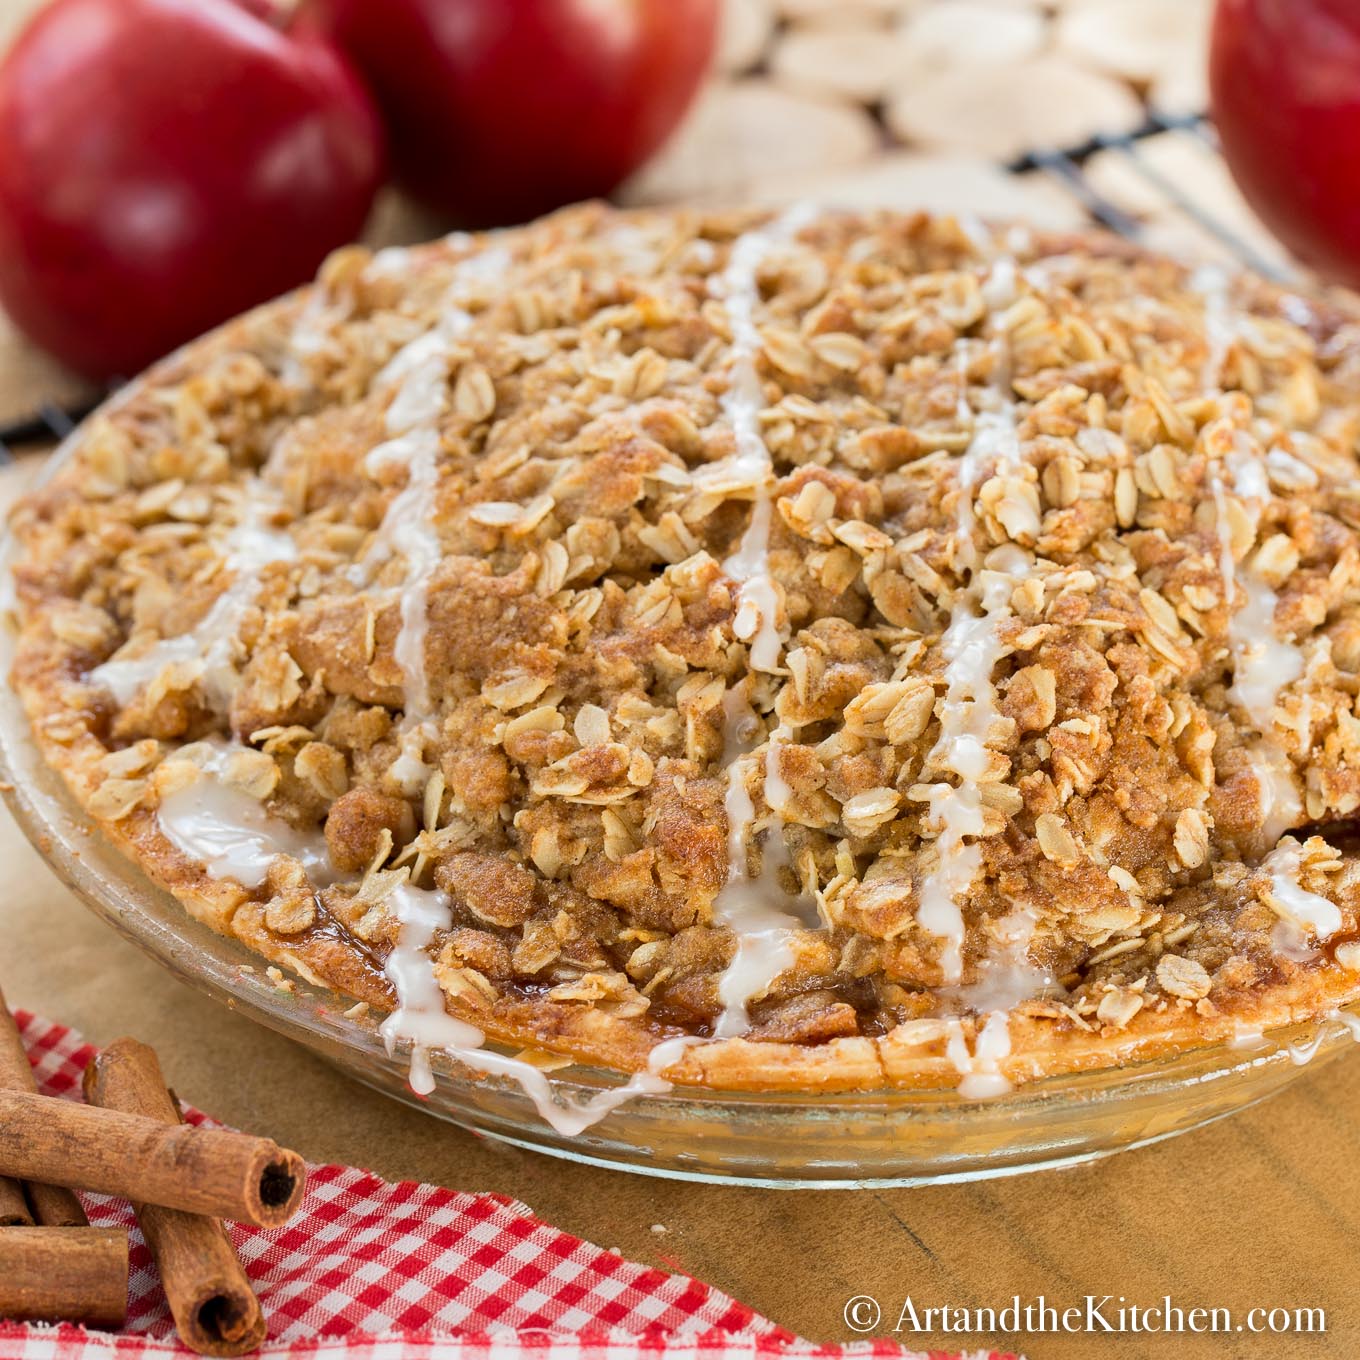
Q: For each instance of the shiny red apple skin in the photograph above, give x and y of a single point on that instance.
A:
(499, 110)
(1285, 88)
(165, 164)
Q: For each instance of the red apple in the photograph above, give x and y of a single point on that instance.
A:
(499, 110)
(165, 164)
(1285, 87)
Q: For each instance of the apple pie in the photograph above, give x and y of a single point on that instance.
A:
(772, 651)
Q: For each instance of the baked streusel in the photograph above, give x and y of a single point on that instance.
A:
(811, 651)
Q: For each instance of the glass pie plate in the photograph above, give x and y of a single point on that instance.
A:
(810, 1140)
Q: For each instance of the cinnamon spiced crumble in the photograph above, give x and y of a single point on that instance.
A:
(876, 650)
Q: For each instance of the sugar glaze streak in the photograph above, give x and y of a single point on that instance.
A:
(421, 1020)
(249, 548)
(750, 905)
(972, 648)
(422, 368)
(1264, 664)
(229, 832)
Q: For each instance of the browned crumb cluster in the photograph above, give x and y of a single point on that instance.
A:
(580, 640)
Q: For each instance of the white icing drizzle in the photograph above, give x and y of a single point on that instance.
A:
(971, 648)
(1212, 284)
(1305, 1052)
(230, 832)
(746, 905)
(316, 318)
(981, 1075)
(1280, 804)
(1289, 942)
(1246, 1037)
(421, 1020)
(777, 789)
(999, 288)
(421, 369)
(248, 548)
(420, 1016)
(410, 521)
(1007, 977)
(1263, 664)
(1303, 914)
(1224, 325)
(749, 905)
(757, 621)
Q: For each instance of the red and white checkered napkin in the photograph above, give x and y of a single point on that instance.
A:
(374, 1271)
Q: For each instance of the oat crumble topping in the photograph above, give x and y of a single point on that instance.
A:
(1032, 705)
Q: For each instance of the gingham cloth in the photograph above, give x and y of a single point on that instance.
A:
(369, 1270)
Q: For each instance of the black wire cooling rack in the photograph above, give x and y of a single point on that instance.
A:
(1065, 167)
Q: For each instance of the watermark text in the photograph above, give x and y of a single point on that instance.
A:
(1092, 1314)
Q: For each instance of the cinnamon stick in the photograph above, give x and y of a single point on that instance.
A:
(14, 1210)
(64, 1274)
(52, 1205)
(203, 1171)
(215, 1309)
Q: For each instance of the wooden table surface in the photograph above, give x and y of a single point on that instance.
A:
(1259, 1211)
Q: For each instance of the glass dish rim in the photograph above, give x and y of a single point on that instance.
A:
(120, 893)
